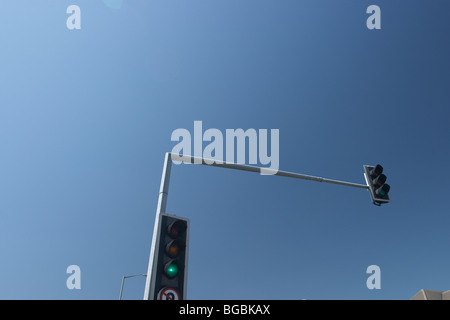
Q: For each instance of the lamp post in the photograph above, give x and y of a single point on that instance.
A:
(123, 280)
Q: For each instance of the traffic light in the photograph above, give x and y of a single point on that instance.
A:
(378, 188)
(171, 254)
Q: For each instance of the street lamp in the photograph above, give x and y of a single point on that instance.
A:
(123, 280)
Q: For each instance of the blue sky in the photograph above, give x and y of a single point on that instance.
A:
(87, 115)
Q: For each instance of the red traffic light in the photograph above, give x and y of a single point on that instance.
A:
(177, 228)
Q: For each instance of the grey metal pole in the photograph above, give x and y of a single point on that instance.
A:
(123, 281)
(121, 288)
(266, 171)
(161, 208)
(164, 190)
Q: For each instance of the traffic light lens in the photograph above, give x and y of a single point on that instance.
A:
(172, 270)
(385, 189)
(376, 171)
(174, 231)
(173, 251)
(380, 180)
(175, 247)
(177, 228)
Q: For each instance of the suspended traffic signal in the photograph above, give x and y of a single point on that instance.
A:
(170, 270)
(376, 181)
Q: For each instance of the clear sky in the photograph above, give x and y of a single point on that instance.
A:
(87, 115)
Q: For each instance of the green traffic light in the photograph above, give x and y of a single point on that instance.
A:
(172, 270)
(385, 189)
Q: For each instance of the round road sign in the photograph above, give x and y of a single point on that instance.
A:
(168, 294)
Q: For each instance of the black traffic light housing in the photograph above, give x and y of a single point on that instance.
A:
(376, 181)
(171, 257)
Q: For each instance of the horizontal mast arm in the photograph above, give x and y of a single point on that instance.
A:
(265, 171)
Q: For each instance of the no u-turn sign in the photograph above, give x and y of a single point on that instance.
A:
(168, 294)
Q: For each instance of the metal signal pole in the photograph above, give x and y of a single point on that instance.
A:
(164, 190)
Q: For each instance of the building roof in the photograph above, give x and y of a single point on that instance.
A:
(431, 295)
